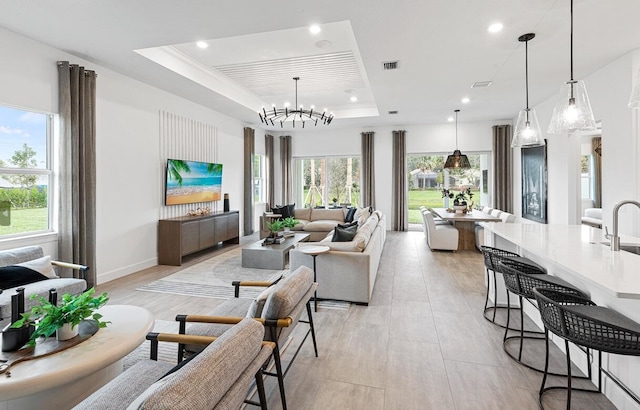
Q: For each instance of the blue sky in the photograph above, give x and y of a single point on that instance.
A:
(18, 127)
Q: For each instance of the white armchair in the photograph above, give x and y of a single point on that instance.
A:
(443, 237)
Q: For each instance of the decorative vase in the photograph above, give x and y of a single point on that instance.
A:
(226, 203)
(67, 332)
(459, 208)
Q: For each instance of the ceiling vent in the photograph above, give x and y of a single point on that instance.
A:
(393, 112)
(481, 84)
(390, 65)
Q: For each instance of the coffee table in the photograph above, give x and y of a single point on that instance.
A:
(63, 379)
(270, 256)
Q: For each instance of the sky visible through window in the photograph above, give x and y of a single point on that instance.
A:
(18, 127)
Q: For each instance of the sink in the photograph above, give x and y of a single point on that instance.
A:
(633, 248)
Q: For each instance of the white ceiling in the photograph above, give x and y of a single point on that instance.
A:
(255, 48)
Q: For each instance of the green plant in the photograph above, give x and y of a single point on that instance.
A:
(48, 318)
(275, 226)
(289, 222)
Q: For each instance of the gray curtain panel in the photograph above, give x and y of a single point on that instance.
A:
(368, 170)
(596, 142)
(249, 150)
(77, 221)
(269, 170)
(287, 173)
(503, 168)
(399, 211)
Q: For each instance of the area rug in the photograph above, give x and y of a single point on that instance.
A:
(212, 278)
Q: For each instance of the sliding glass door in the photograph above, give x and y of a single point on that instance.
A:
(428, 177)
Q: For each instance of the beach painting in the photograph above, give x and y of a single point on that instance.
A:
(191, 181)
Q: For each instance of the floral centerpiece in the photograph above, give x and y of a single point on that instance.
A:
(460, 198)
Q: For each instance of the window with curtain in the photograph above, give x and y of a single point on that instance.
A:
(586, 176)
(258, 179)
(323, 181)
(427, 177)
(25, 171)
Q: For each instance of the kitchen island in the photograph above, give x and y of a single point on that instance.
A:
(580, 255)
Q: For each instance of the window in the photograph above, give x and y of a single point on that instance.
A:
(586, 176)
(327, 180)
(258, 178)
(427, 177)
(25, 171)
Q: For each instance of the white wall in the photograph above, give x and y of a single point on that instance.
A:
(609, 89)
(129, 171)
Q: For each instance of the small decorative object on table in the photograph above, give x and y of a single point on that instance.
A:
(459, 199)
(289, 222)
(199, 212)
(274, 227)
(13, 338)
(49, 318)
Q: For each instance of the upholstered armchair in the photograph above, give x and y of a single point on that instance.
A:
(279, 307)
(219, 377)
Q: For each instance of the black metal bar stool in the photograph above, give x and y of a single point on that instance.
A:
(492, 258)
(520, 279)
(581, 322)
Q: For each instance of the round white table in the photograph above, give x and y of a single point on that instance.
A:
(65, 378)
(314, 251)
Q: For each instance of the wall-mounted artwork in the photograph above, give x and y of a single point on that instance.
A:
(534, 183)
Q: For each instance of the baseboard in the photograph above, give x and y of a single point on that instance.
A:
(127, 270)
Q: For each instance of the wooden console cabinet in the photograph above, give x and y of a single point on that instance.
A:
(184, 235)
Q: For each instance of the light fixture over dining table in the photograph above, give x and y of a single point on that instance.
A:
(457, 159)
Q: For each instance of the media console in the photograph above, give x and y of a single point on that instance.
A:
(185, 235)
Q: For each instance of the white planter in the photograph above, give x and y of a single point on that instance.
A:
(66, 332)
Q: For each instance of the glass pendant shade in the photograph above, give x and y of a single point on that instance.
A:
(634, 100)
(572, 111)
(457, 160)
(527, 132)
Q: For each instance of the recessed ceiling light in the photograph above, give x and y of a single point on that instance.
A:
(450, 119)
(495, 27)
(315, 29)
(202, 44)
(465, 100)
(354, 98)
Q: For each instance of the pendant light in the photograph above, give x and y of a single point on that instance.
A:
(527, 132)
(572, 111)
(457, 159)
(634, 100)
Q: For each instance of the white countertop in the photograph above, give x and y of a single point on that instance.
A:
(578, 250)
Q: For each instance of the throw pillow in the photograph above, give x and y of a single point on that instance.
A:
(284, 210)
(362, 214)
(42, 265)
(14, 276)
(350, 214)
(344, 233)
(255, 310)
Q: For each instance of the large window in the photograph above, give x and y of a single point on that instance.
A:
(25, 171)
(428, 177)
(586, 176)
(327, 180)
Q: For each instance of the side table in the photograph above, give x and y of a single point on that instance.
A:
(314, 251)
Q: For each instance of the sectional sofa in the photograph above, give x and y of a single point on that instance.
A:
(317, 222)
(348, 271)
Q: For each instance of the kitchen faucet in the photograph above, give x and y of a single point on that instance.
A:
(615, 237)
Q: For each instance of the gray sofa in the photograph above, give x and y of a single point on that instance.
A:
(348, 271)
(317, 222)
(35, 255)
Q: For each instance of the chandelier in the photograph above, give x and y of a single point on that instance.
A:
(281, 115)
(457, 159)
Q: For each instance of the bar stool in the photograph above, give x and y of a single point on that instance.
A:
(520, 279)
(581, 322)
(492, 258)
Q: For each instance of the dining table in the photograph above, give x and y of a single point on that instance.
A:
(465, 223)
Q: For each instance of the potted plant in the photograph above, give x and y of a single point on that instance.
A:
(64, 318)
(274, 227)
(289, 222)
(335, 201)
